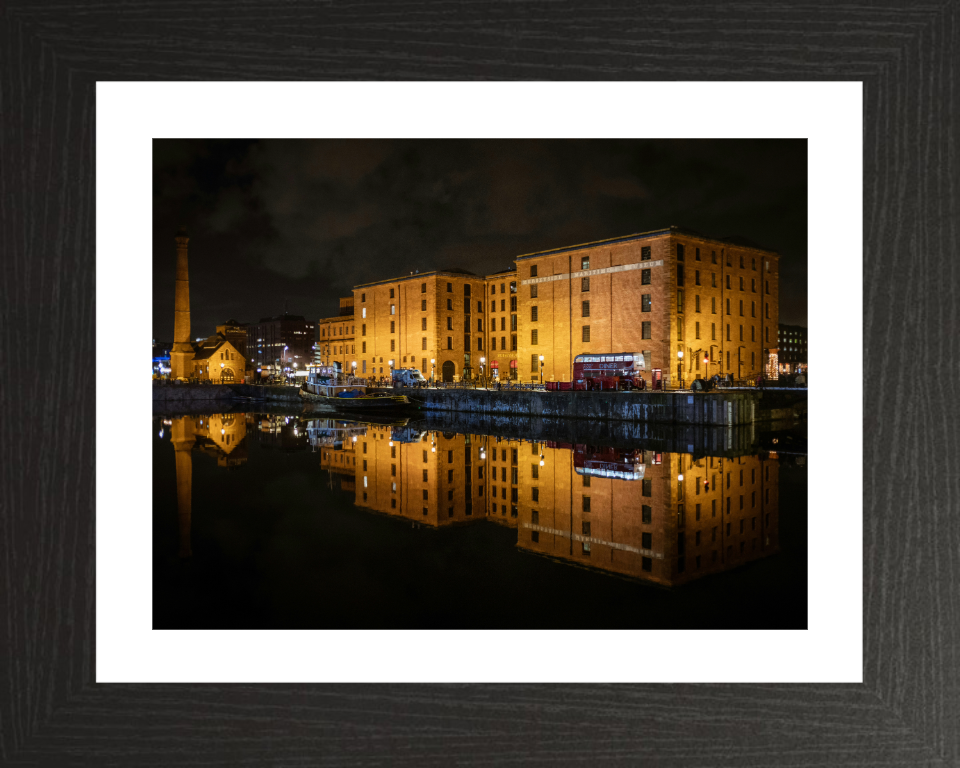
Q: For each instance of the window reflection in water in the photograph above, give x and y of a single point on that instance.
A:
(663, 517)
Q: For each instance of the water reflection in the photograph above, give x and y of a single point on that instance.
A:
(288, 506)
(219, 435)
(663, 517)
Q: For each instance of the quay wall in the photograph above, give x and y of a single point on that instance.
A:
(722, 409)
(179, 393)
(170, 395)
(268, 394)
(706, 440)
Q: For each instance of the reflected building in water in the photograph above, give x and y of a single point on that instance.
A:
(678, 517)
(663, 517)
(279, 432)
(218, 435)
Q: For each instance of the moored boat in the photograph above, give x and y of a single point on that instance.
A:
(322, 386)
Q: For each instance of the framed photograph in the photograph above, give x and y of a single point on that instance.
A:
(231, 559)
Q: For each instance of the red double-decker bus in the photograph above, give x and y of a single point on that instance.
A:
(608, 462)
(621, 370)
(615, 371)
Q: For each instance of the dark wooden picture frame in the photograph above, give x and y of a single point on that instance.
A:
(906, 711)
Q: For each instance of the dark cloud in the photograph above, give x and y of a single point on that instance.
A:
(296, 224)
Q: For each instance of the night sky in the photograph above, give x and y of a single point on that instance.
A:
(280, 224)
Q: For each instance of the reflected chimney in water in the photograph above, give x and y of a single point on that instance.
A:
(183, 437)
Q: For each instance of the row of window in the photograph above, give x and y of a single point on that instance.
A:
(713, 280)
(713, 332)
(466, 290)
(646, 255)
(645, 333)
(339, 331)
(713, 305)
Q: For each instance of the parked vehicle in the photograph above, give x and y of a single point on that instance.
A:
(408, 377)
(619, 371)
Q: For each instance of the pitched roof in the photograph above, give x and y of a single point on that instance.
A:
(205, 351)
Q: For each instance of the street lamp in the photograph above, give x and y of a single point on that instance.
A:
(482, 361)
(680, 368)
(541, 369)
(433, 366)
(353, 369)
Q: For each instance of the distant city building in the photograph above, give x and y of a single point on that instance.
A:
(654, 294)
(793, 348)
(281, 344)
(161, 357)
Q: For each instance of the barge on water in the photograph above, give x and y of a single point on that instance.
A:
(321, 386)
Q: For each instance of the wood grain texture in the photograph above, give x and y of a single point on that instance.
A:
(906, 712)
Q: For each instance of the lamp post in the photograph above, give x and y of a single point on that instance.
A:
(680, 368)
(390, 363)
(482, 361)
(433, 368)
(353, 369)
(541, 369)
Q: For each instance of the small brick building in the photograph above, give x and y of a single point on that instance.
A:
(217, 360)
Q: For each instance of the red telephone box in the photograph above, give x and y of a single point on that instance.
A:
(657, 378)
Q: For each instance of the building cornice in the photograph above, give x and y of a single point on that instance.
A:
(675, 231)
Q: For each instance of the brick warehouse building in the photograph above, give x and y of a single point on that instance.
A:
(410, 321)
(502, 335)
(336, 338)
(655, 293)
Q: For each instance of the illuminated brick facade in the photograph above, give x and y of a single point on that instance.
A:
(407, 322)
(336, 340)
(218, 361)
(658, 293)
(236, 334)
(502, 334)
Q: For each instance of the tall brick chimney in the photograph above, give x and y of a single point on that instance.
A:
(182, 353)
